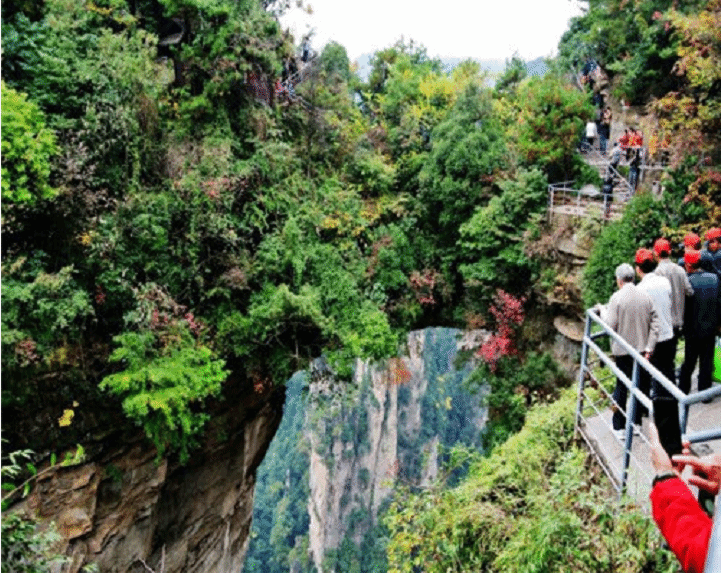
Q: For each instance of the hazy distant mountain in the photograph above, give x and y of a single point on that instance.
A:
(535, 67)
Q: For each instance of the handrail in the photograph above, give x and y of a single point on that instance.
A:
(577, 197)
(635, 394)
(598, 156)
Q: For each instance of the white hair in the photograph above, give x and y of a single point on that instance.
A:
(625, 273)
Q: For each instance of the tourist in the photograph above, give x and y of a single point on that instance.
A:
(615, 160)
(591, 133)
(604, 130)
(634, 168)
(701, 322)
(713, 249)
(630, 313)
(680, 288)
(659, 289)
(624, 141)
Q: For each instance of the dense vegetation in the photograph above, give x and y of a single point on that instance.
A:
(164, 226)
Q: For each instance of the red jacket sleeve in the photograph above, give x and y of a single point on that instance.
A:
(684, 525)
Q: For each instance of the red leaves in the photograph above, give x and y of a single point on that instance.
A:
(423, 285)
(508, 313)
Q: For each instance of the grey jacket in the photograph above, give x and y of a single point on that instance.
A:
(631, 314)
(680, 288)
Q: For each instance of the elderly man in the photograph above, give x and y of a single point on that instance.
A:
(631, 314)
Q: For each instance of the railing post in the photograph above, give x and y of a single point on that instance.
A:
(582, 375)
(630, 416)
(550, 208)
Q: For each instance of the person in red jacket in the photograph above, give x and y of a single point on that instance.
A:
(682, 521)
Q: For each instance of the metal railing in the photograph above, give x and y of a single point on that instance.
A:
(563, 198)
(593, 357)
(603, 161)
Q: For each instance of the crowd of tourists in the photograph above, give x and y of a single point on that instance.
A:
(671, 300)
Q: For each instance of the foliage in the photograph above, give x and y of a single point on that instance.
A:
(280, 511)
(468, 151)
(641, 224)
(491, 241)
(167, 374)
(513, 74)
(630, 41)
(508, 314)
(27, 148)
(690, 117)
(24, 549)
(550, 119)
(501, 517)
(43, 313)
(334, 61)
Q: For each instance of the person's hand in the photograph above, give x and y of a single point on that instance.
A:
(659, 458)
(706, 471)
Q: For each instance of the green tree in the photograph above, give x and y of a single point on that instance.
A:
(468, 151)
(27, 150)
(491, 241)
(551, 116)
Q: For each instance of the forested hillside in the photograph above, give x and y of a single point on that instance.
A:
(180, 236)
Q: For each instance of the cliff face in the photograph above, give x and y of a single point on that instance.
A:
(380, 429)
(122, 506)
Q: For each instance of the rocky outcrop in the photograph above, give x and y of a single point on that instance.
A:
(123, 507)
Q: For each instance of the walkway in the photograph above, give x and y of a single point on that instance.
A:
(627, 462)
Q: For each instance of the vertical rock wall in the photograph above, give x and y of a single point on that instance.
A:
(123, 506)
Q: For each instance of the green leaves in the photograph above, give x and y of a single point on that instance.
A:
(161, 388)
(27, 149)
(41, 312)
(491, 241)
(501, 518)
(550, 119)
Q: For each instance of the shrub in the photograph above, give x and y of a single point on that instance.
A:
(27, 148)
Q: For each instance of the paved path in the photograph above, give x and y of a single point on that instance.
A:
(598, 431)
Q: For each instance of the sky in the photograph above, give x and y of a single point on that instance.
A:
(478, 29)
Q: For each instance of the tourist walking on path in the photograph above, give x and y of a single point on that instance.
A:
(604, 130)
(631, 314)
(680, 288)
(701, 322)
(591, 133)
(659, 289)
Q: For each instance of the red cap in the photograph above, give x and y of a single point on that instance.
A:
(662, 246)
(643, 255)
(692, 240)
(692, 257)
(713, 233)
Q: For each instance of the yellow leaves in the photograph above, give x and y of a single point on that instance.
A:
(86, 239)
(67, 418)
(339, 222)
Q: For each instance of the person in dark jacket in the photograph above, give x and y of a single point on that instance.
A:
(713, 249)
(682, 521)
(692, 242)
(702, 317)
